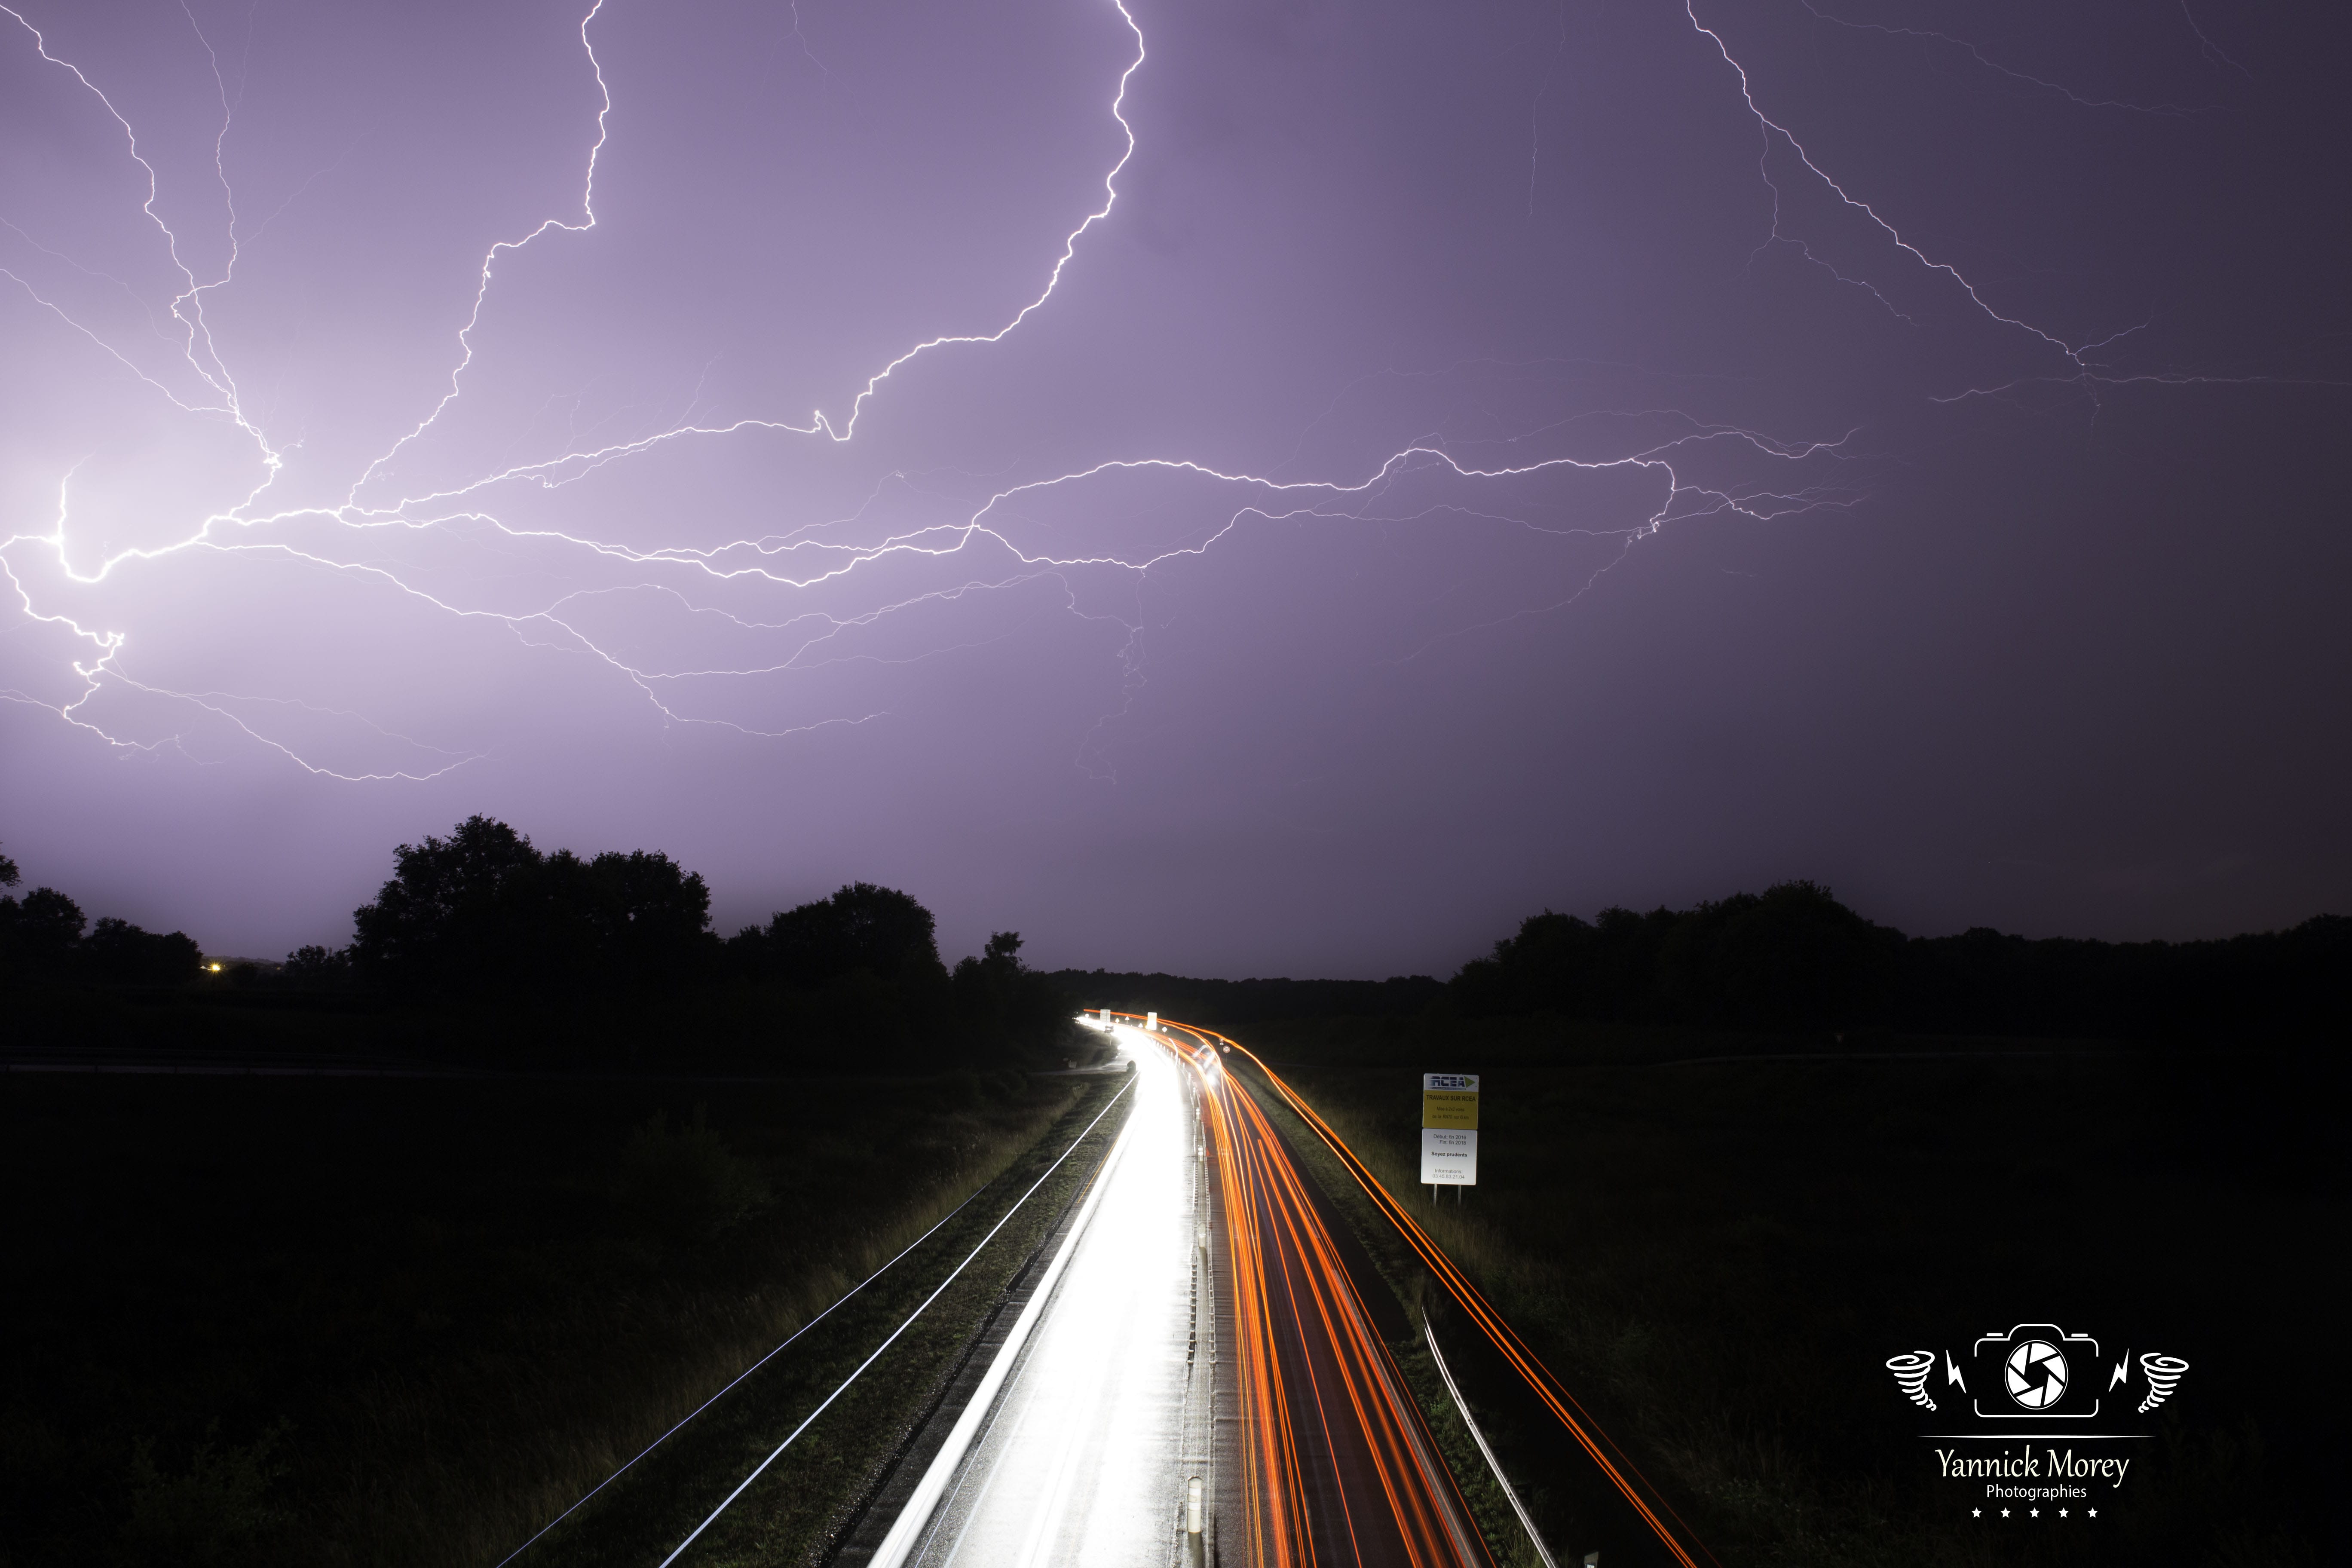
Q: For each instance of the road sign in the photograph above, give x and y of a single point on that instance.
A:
(1449, 1129)
(1450, 1100)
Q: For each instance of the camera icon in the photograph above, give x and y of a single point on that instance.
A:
(2035, 1370)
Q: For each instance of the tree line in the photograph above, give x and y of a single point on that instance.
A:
(44, 935)
(484, 919)
(1793, 957)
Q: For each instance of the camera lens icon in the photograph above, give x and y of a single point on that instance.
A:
(2035, 1371)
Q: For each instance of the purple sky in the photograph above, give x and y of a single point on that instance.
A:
(1454, 476)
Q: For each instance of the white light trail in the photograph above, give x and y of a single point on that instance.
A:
(1070, 1452)
(925, 1306)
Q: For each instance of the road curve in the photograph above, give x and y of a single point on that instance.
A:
(1077, 1444)
(1198, 1322)
(1664, 1527)
(1336, 1465)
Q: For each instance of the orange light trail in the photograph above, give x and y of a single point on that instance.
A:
(1319, 1390)
(1613, 1462)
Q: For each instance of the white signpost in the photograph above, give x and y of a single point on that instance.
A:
(1449, 1129)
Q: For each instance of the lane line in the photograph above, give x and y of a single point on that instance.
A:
(902, 1327)
(1539, 1377)
(916, 1513)
(747, 1371)
(1279, 1238)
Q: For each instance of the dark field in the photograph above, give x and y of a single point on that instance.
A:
(384, 1321)
(1719, 1258)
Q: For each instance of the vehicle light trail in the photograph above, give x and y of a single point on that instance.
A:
(1623, 1474)
(840, 1300)
(1338, 1465)
(1076, 1442)
(1494, 1466)
(892, 1338)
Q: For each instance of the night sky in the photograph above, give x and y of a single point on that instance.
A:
(1477, 458)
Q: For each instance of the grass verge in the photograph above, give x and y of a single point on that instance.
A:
(390, 1322)
(1407, 1281)
(1719, 1258)
(805, 1503)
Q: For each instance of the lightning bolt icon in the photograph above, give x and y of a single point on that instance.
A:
(2123, 1372)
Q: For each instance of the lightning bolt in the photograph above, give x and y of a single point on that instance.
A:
(2123, 1372)
(2084, 376)
(1952, 1372)
(400, 543)
(1977, 54)
(2211, 49)
(1770, 127)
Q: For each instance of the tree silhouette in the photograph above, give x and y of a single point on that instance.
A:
(1794, 957)
(119, 953)
(861, 928)
(317, 968)
(39, 933)
(454, 916)
(483, 910)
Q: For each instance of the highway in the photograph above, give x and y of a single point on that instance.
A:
(1186, 1372)
(1197, 1323)
(1080, 1449)
(1336, 1464)
(1650, 1528)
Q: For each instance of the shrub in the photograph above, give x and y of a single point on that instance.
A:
(215, 1511)
(684, 1185)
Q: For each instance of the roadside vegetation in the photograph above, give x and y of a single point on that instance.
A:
(484, 949)
(815, 1497)
(1732, 1157)
(399, 1322)
(1794, 958)
(591, 1163)
(1718, 1256)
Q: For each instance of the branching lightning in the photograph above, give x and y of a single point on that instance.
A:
(2080, 374)
(1769, 128)
(1426, 482)
(1976, 53)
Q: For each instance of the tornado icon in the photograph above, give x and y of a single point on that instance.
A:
(2163, 1372)
(1911, 1370)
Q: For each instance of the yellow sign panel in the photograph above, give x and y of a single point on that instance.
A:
(1450, 1100)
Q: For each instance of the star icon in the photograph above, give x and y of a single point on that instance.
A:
(2093, 1513)
(2062, 1513)
(2004, 1513)
(1976, 1513)
(2033, 1513)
